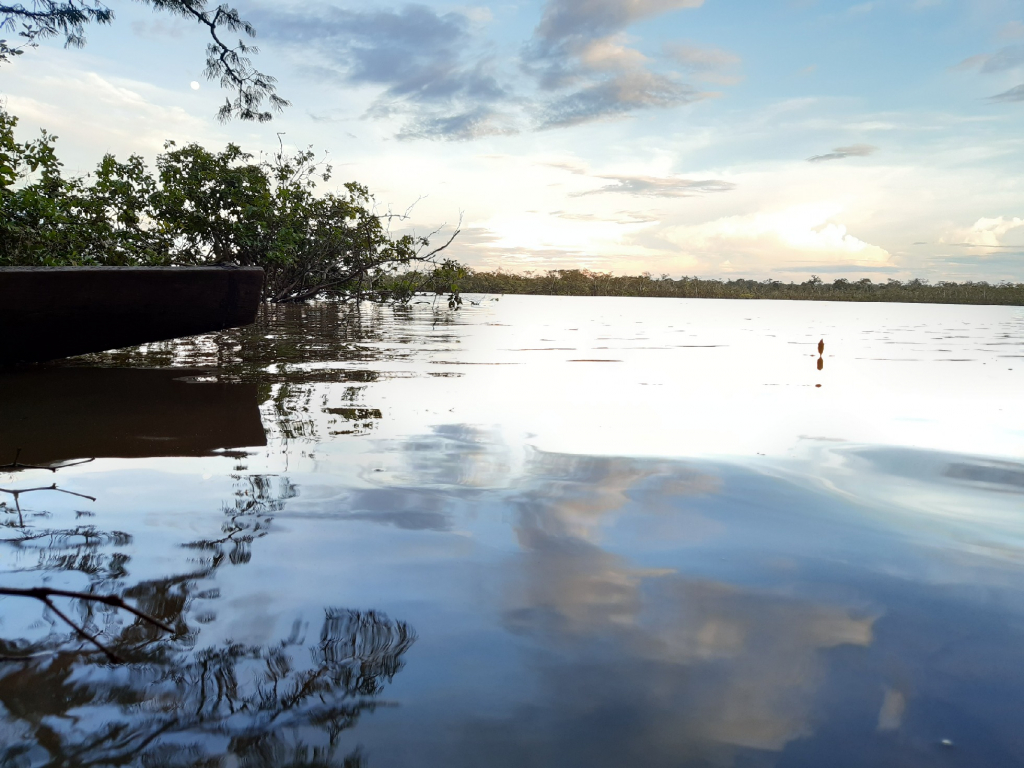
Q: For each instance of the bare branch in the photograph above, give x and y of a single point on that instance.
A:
(433, 253)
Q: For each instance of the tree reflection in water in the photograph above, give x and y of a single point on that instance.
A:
(176, 702)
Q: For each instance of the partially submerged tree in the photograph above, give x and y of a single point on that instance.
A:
(254, 93)
(206, 207)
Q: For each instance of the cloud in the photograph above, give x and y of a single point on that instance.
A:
(158, 28)
(666, 186)
(986, 232)
(439, 79)
(89, 111)
(580, 49)
(1010, 57)
(622, 217)
(972, 62)
(1004, 60)
(628, 91)
(571, 22)
(861, 9)
(571, 167)
(778, 238)
(710, 64)
(1014, 94)
(462, 126)
(1012, 30)
(841, 153)
(427, 63)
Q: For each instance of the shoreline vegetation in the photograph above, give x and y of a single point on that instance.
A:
(582, 282)
(205, 208)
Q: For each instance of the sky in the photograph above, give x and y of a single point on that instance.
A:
(719, 138)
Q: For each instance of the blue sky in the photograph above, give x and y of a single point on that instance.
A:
(718, 137)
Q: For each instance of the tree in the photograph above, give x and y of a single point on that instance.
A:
(231, 65)
(205, 207)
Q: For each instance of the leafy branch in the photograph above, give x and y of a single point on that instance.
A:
(230, 64)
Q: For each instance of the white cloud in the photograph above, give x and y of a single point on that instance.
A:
(797, 234)
(985, 232)
(92, 112)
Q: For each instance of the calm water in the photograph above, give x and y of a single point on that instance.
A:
(543, 532)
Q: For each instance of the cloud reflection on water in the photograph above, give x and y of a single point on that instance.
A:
(840, 601)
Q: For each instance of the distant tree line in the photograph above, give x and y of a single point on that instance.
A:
(213, 208)
(581, 282)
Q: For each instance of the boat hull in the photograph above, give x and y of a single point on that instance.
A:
(52, 312)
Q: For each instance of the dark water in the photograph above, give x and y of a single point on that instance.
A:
(543, 532)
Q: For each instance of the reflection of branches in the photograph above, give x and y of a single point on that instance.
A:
(16, 493)
(259, 698)
(16, 465)
(45, 593)
(174, 703)
(248, 520)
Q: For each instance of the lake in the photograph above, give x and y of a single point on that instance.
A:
(542, 531)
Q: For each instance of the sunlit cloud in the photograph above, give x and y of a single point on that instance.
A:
(988, 232)
(651, 186)
(808, 233)
(841, 153)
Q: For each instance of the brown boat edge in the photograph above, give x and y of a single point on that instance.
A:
(48, 313)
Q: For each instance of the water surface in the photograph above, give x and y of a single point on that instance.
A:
(542, 531)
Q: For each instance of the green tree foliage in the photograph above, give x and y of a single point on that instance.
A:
(231, 65)
(576, 282)
(208, 208)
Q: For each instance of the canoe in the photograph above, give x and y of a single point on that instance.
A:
(53, 312)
